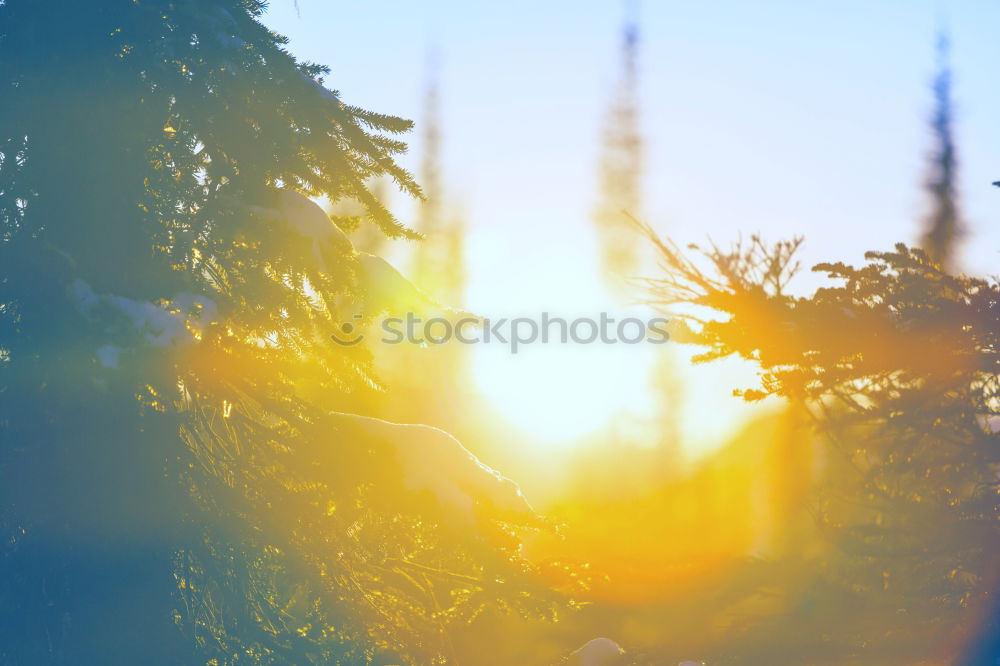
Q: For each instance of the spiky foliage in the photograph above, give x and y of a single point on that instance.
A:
(175, 490)
(899, 365)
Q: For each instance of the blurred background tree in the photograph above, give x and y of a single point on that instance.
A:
(438, 263)
(620, 164)
(943, 226)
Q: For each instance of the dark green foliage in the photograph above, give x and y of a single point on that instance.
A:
(899, 367)
(174, 492)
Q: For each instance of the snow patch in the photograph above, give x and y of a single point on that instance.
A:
(176, 323)
(597, 652)
(324, 92)
(431, 459)
(108, 355)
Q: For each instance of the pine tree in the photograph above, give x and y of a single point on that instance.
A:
(178, 485)
(943, 227)
(897, 364)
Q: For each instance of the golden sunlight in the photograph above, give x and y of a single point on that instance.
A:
(563, 392)
(508, 360)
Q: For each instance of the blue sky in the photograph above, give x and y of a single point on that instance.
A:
(781, 117)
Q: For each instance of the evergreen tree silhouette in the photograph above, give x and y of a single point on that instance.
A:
(896, 364)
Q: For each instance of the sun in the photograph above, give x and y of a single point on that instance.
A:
(563, 392)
